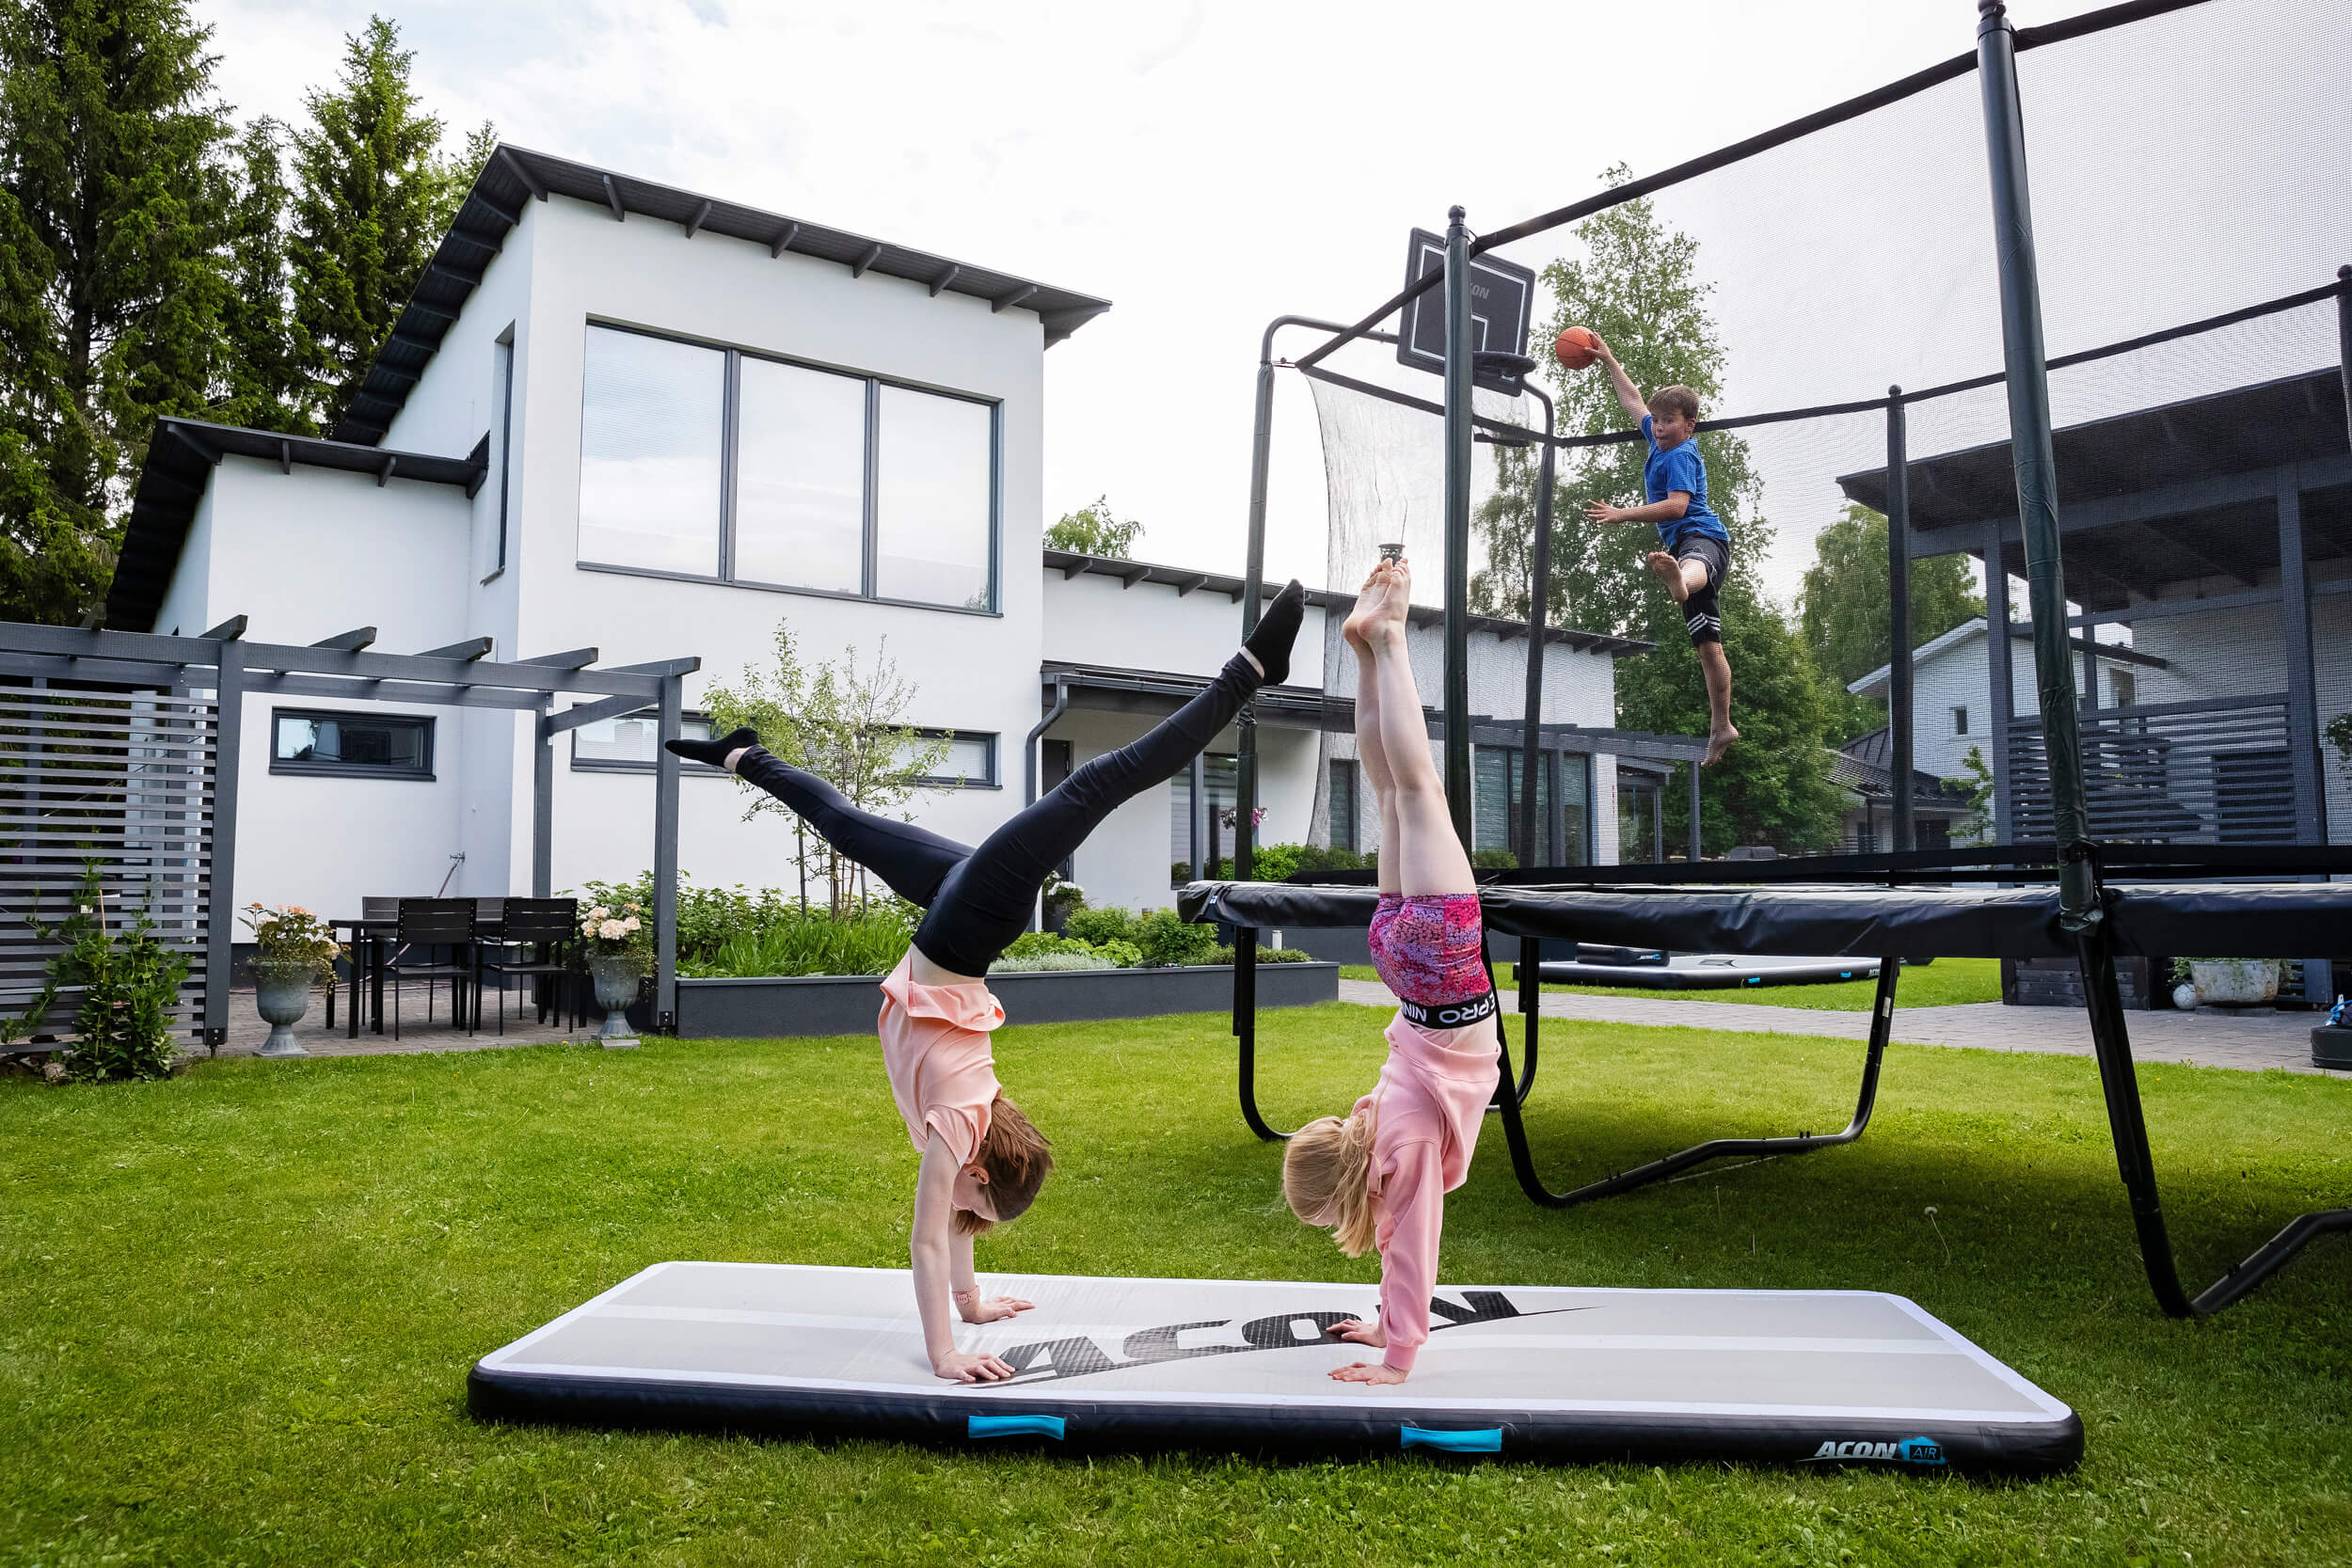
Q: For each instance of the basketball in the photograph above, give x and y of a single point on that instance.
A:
(1576, 348)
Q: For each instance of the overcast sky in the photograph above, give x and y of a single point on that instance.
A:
(1203, 166)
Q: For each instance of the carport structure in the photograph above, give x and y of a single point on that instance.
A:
(124, 747)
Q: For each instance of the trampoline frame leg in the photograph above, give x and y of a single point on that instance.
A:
(1523, 1161)
(2112, 1045)
(1245, 1030)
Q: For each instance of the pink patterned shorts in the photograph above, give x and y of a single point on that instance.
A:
(1428, 948)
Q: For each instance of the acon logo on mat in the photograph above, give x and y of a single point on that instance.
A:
(1911, 1450)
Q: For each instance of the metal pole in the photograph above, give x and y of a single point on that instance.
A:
(1900, 720)
(542, 802)
(665, 803)
(1538, 603)
(1199, 824)
(220, 907)
(1458, 495)
(2036, 464)
(1697, 843)
(1253, 583)
(2001, 685)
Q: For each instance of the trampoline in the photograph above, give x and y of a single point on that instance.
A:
(1843, 1377)
(2121, 826)
(1656, 971)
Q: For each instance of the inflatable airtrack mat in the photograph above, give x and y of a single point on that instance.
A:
(1829, 1377)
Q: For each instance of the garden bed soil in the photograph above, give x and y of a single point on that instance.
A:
(782, 1007)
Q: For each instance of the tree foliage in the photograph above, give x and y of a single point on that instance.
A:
(112, 200)
(1637, 283)
(1093, 529)
(1848, 618)
(371, 195)
(841, 722)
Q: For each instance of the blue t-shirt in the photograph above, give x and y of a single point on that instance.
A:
(1679, 469)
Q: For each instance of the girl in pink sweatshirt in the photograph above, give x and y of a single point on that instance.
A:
(1379, 1176)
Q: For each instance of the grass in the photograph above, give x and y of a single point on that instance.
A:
(241, 1304)
(1943, 983)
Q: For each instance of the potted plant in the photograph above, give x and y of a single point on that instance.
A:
(619, 945)
(1062, 899)
(293, 950)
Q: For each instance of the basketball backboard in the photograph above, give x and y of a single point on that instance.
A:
(1502, 302)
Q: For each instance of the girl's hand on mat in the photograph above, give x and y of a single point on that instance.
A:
(994, 1308)
(958, 1367)
(1357, 1332)
(1368, 1371)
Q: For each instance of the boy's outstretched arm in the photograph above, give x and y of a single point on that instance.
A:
(1628, 396)
(932, 1250)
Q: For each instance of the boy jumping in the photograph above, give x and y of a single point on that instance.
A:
(1696, 549)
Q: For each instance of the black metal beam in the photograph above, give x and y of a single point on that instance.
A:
(1901, 717)
(523, 171)
(349, 642)
(1456, 566)
(227, 630)
(472, 648)
(868, 258)
(702, 216)
(783, 242)
(944, 278)
(591, 713)
(612, 198)
(577, 659)
(1018, 296)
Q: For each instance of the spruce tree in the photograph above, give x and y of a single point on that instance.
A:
(112, 193)
(371, 197)
(266, 384)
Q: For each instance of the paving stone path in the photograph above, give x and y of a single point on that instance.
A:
(2209, 1037)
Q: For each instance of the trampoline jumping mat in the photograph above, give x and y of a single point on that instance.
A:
(1709, 971)
(1786, 1376)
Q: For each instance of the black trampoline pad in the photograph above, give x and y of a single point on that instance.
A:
(1537, 1372)
(2254, 920)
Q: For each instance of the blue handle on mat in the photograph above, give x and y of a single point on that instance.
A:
(1477, 1440)
(1015, 1426)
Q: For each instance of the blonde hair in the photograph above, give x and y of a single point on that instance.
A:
(1326, 1179)
(1017, 1158)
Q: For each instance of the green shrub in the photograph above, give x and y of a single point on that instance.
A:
(1269, 955)
(130, 984)
(1313, 858)
(794, 942)
(1114, 954)
(1494, 860)
(1168, 938)
(1100, 925)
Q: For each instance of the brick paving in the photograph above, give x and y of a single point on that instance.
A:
(246, 1031)
(2246, 1039)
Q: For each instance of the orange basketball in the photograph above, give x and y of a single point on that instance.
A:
(1577, 347)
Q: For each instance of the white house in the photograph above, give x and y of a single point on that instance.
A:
(621, 416)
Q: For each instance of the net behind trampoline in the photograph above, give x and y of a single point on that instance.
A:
(2189, 169)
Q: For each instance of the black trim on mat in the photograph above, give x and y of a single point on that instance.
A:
(945, 1420)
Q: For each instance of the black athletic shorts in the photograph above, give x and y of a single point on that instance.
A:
(1701, 617)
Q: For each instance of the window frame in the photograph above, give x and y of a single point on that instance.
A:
(296, 767)
(731, 422)
(687, 768)
(1960, 719)
(989, 738)
(1352, 770)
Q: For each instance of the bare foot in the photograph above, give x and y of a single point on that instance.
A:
(1367, 611)
(1669, 572)
(1399, 599)
(1717, 744)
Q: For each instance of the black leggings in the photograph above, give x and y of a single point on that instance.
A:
(976, 901)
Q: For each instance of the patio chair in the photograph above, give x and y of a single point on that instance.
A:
(538, 937)
(427, 924)
(370, 907)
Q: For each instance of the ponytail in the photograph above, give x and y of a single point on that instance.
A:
(1326, 1179)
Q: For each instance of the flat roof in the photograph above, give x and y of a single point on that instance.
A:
(180, 456)
(514, 175)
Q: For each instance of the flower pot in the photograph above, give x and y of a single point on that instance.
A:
(2235, 982)
(281, 994)
(615, 976)
(2331, 1046)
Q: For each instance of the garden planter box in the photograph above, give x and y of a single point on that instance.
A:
(778, 1007)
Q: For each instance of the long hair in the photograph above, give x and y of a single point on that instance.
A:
(1326, 1179)
(1017, 1158)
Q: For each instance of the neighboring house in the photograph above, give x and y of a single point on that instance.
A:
(1951, 683)
(2219, 529)
(1863, 769)
(623, 416)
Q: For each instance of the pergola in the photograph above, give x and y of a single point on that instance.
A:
(125, 748)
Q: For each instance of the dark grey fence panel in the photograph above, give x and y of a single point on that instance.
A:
(2218, 771)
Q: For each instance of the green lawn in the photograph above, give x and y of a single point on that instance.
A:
(240, 1305)
(1941, 983)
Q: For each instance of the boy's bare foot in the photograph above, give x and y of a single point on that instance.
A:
(1669, 572)
(1717, 744)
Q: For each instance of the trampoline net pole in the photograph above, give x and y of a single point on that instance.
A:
(1457, 523)
(1899, 717)
(2032, 457)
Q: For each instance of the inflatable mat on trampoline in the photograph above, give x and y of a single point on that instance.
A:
(1793, 1376)
(1709, 972)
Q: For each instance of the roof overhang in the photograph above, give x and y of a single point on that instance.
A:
(180, 456)
(515, 176)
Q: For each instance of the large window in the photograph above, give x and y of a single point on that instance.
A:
(351, 745)
(1221, 777)
(1563, 826)
(1343, 803)
(651, 418)
(716, 464)
(970, 762)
